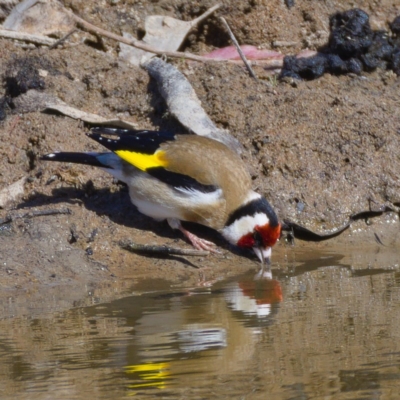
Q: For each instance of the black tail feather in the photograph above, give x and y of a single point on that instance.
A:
(78, 158)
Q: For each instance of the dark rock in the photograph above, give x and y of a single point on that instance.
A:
(353, 47)
(351, 33)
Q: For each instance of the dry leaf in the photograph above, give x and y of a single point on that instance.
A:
(39, 17)
(34, 100)
(162, 33)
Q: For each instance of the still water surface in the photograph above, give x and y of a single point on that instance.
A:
(324, 326)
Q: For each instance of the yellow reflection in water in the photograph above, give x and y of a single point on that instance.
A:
(153, 374)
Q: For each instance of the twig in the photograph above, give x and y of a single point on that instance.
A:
(173, 54)
(27, 37)
(203, 16)
(183, 103)
(284, 43)
(378, 239)
(137, 43)
(63, 39)
(33, 100)
(302, 233)
(43, 40)
(239, 50)
(161, 250)
(32, 214)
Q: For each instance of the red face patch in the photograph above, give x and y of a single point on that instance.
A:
(246, 241)
(269, 234)
(265, 234)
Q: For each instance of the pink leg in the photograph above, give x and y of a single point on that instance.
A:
(198, 243)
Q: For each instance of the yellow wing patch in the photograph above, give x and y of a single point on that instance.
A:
(143, 161)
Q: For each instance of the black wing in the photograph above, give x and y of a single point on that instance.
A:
(147, 143)
(140, 141)
(180, 181)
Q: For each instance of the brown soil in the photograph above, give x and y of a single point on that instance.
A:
(318, 150)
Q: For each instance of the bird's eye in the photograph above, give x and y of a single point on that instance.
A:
(258, 239)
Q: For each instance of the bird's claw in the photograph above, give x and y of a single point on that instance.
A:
(201, 244)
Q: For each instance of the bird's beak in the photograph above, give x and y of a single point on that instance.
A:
(264, 254)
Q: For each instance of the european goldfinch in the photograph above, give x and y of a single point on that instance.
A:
(181, 177)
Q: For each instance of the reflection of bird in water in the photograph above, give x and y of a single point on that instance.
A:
(255, 298)
(180, 335)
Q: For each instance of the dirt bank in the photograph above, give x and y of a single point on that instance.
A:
(318, 150)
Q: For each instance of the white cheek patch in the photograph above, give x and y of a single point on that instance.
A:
(242, 226)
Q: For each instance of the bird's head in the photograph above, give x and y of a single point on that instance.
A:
(254, 226)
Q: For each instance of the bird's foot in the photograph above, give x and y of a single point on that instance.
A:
(199, 243)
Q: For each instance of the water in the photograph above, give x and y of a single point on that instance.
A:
(324, 326)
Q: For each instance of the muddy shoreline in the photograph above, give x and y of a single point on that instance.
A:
(319, 150)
